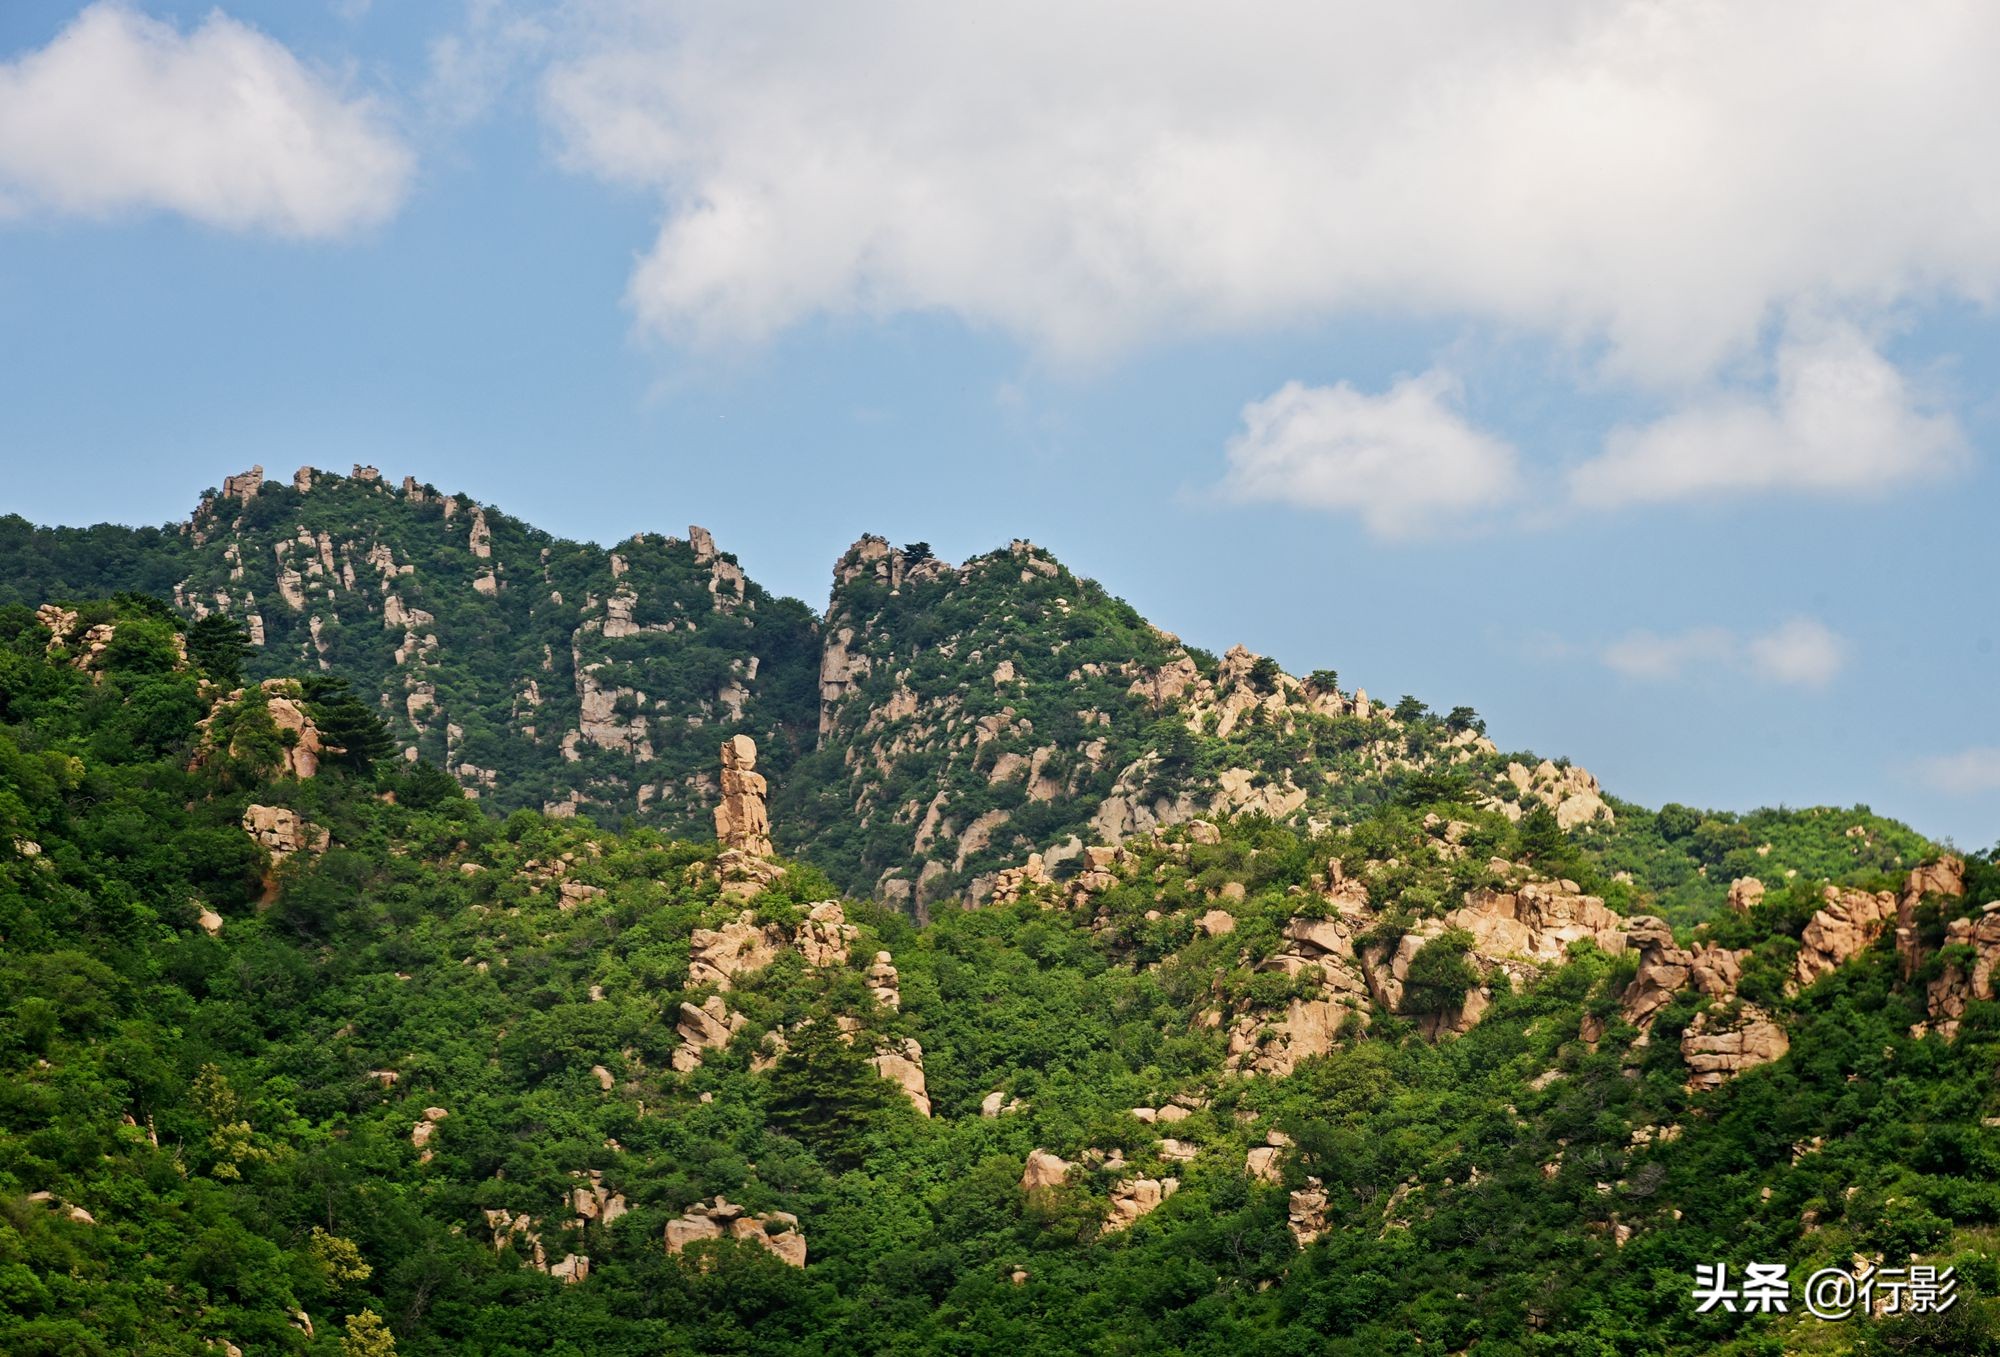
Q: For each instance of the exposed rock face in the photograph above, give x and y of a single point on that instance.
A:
(707, 1028)
(1719, 1046)
(506, 1226)
(421, 1133)
(1536, 923)
(1961, 981)
(1307, 1214)
(283, 832)
(903, 1064)
(1262, 1164)
(884, 982)
(824, 936)
(742, 825)
(1044, 1170)
(1745, 894)
(1665, 969)
(1846, 927)
(1944, 878)
(1132, 1198)
(592, 1201)
(777, 1232)
(243, 486)
(1572, 793)
(738, 947)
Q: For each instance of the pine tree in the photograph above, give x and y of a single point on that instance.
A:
(219, 645)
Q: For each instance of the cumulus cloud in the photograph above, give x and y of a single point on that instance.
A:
(1966, 773)
(1840, 420)
(1665, 178)
(221, 124)
(1405, 461)
(1798, 653)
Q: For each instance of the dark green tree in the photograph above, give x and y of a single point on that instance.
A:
(354, 736)
(218, 645)
(1410, 709)
(1264, 674)
(824, 1092)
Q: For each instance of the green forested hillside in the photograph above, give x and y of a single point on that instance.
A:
(348, 1063)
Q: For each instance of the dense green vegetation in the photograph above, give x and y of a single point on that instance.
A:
(218, 1106)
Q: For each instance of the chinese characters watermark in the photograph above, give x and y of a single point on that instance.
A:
(1830, 1293)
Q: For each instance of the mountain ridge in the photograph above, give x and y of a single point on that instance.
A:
(1034, 711)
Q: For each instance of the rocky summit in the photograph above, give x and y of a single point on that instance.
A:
(533, 946)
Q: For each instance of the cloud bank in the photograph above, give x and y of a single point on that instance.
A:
(1664, 178)
(221, 124)
(1798, 653)
(1840, 419)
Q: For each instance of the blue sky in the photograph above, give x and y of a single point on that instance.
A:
(1623, 371)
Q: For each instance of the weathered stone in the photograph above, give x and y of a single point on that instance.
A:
(1044, 1170)
(1719, 1046)
(1844, 928)
(777, 1232)
(904, 1065)
(1745, 894)
(739, 947)
(823, 937)
(1132, 1198)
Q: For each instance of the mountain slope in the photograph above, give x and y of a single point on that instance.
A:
(298, 1050)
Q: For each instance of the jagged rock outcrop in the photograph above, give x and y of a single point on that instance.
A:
(1132, 1198)
(1044, 1171)
(777, 1231)
(425, 1128)
(1845, 927)
(1745, 894)
(591, 1201)
(1665, 968)
(282, 831)
(1534, 924)
(1571, 792)
(1307, 1212)
(884, 982)
(902, 1063)
(824, 935)
(1720, 1044)
(1963, 979)
(716, 955)
(1943, 879)
(709, 1027)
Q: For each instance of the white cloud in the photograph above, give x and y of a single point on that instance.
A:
(1650, 655)
(222, 124)
(1841, 420)
(1966, 773)
(1801, 653)
(1405, 461)
(1088, 174)
(1798, 653)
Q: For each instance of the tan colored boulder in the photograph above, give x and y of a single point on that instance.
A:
(741, 821)
(739, 947)
(1262, 1163)
(1044, 1170)
(777, 1232)
(1718, 1047)
(1846, 926)
(824, 936)
(1133, 1198)
(1307, 1214)
(1745, 894)
(903, 1064)
(1961, 982)
(1216, 923)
